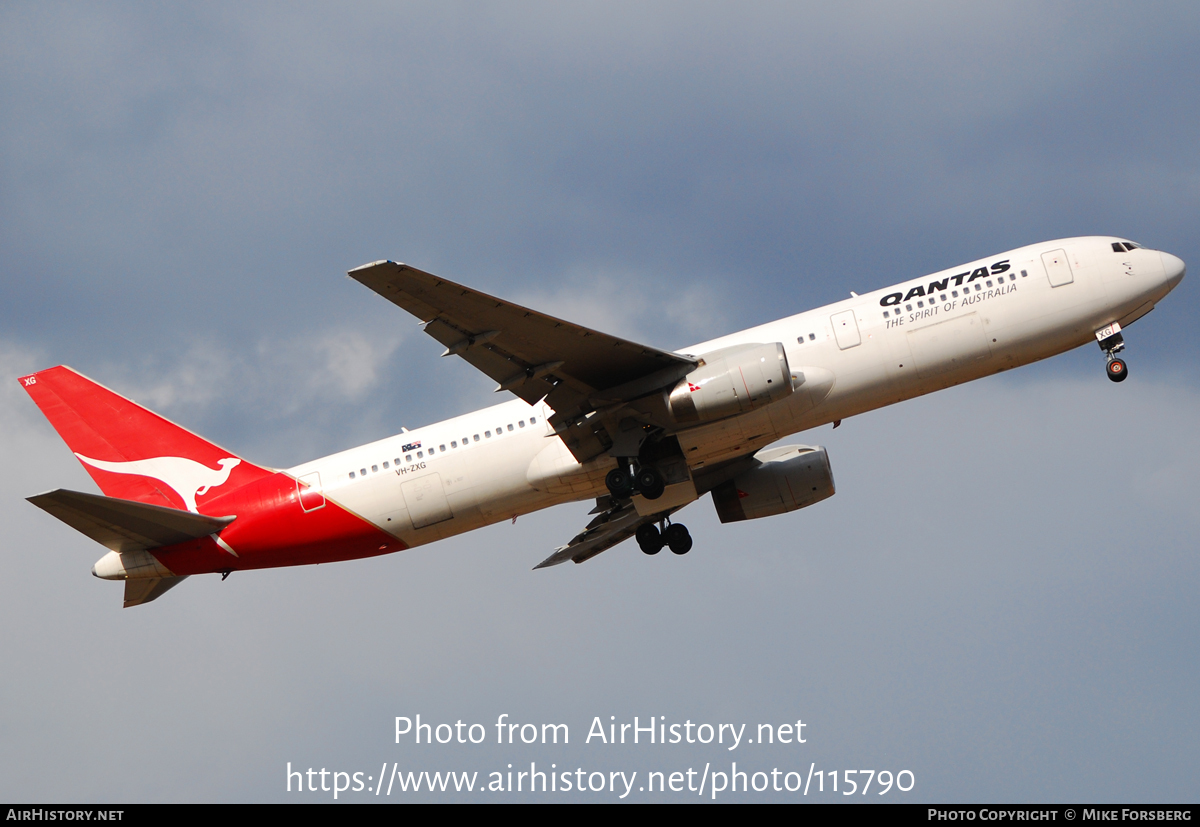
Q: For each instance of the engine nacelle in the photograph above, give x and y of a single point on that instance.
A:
(787, 478)
(731, 381)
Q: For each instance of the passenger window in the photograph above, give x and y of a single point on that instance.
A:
(800, 339)
(385, 465)
(420, 454)
(510, 427)
(920, 304)
(885, 314)
(408, 457)
(521, 423)
(476, 437)
(532, 420)
(374, 469)
(362, 472)
(812, 337)
(454, 443)
(1024, 274)
(442, 448)
(954, 293)
(487, 434)
(908, 307)
(943, 297)
(989, 284)
(351, 475)
(978, 287)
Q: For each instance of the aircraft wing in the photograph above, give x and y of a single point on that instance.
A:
(575, 369)
(607, 530)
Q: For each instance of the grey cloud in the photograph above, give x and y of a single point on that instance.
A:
(775, 143)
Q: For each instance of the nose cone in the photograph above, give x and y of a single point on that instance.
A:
(1173, 269)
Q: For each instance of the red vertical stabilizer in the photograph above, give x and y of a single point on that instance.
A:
(133, 453)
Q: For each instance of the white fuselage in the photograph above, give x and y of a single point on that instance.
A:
(856, 355)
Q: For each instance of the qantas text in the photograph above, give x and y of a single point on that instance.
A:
(944, 284)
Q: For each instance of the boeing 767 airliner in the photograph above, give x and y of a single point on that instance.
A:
(642, 431)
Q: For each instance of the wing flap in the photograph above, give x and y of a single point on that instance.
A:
(126, 525)
(610, 528)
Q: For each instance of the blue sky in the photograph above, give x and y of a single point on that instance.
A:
(1000, 596)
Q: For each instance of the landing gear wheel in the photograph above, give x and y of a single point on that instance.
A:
(1116, 370)
(650, 483)
(619, 483)
(649, 539)
(677, 538)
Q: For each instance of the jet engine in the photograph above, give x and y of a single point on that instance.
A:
(784, 479)
(731, 381)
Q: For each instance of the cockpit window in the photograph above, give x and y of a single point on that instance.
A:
(1118, 247)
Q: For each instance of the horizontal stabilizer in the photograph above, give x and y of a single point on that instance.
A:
(144, 589)
(125, 525)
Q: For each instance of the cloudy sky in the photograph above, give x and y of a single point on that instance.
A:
(1001, 597)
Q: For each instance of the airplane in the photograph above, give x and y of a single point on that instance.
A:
(642, 431)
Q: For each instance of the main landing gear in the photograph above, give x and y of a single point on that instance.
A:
(629, 478)
(1112, 342)
(625, 481)
(674, 536)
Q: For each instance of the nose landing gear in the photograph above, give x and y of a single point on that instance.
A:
(1116, 369)
(1112, 342)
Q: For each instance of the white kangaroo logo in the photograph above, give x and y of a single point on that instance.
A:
(188, 478)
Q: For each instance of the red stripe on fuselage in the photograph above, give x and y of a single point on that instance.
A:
(272, 530)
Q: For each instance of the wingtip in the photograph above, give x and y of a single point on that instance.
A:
(372, 265)
(553, 560)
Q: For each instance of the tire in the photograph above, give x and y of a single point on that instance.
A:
(649, 539)
(1117, 370)
(678, 539)
(619, 483)
(650, 483)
